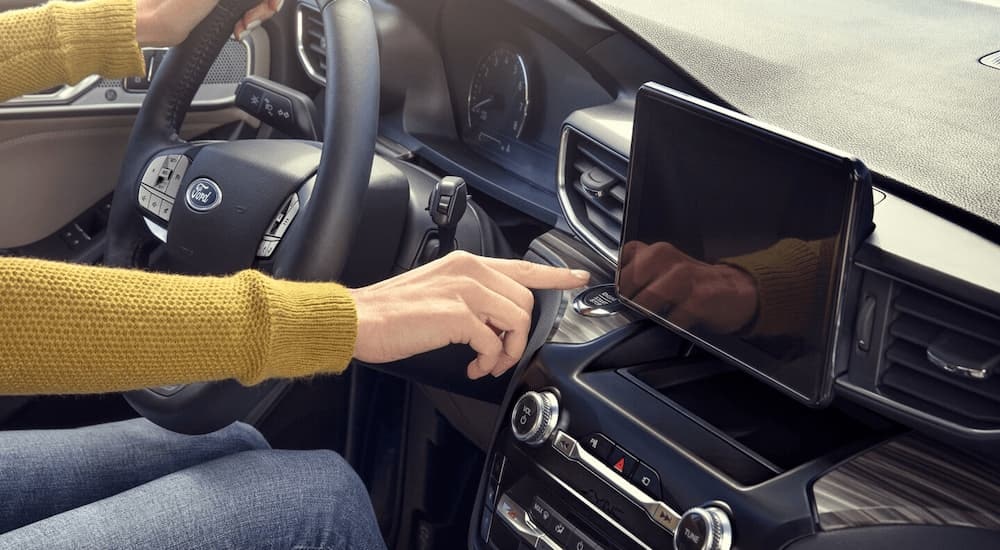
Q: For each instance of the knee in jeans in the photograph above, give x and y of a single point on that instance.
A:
(321, 477)
(240, 437)
(334, 479)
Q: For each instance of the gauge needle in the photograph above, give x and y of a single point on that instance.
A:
(483, 103)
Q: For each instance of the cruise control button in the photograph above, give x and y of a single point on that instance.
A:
(144, 196)
(622, 462)
(598, 445)
(154, 203)
(648, 480)
(166, 208)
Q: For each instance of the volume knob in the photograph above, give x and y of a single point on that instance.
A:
(535, 417)
(706, 528)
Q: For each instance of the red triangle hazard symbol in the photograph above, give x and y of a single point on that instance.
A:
(620, 465)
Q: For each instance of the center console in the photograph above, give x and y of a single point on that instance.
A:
(600, 446)
(619, 434)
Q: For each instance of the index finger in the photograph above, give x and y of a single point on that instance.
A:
(539, 276)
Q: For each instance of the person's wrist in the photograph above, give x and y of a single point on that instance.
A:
(743, 297)
(366, 317)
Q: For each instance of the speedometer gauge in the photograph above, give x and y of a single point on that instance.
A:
(498, 99)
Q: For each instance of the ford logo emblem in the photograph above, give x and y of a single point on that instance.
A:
(203, 195)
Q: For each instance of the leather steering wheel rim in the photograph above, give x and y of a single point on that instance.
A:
(318, 248)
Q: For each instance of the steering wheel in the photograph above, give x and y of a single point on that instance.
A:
(285, 207)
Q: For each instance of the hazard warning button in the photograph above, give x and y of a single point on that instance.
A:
(621, 462)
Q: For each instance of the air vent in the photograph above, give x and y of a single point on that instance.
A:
(312, 42)
(592, 190)
(941, 358)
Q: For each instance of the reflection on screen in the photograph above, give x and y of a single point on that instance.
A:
(734, 237)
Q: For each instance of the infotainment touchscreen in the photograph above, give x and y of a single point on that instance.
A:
(736, 235)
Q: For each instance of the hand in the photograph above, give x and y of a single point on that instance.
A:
(459, 299)
(719, 298)
(169, 22)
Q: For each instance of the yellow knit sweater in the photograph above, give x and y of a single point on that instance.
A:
(64, 42)
(78, 329)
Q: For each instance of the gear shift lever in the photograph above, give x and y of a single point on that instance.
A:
(447, 205)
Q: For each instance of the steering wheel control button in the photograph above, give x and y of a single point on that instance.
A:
(598, 445)
(647, 480)
(144, 195)
(534, 417)
(705, 528)
(177, 176)
(620, 461)
(170, 163)
(166, 208)
(160, 183)
(152, 171)
(287, 212)
(267, 247)
(203, 195)
(597, 301)
(154, 203)
(279, 226)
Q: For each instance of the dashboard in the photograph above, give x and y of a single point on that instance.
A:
(621, 434)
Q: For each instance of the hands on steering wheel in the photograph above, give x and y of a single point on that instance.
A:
(169, 22)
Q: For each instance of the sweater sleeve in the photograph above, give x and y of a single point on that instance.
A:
(67, 329)
(64, 42)
(790, 290)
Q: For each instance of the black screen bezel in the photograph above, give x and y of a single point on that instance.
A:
(651, 96)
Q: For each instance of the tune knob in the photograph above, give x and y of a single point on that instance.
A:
(704, 528)
(534, 417)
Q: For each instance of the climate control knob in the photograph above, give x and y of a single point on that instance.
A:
(534, 417)
(704, 528)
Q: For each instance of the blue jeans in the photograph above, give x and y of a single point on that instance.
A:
(134, 485)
